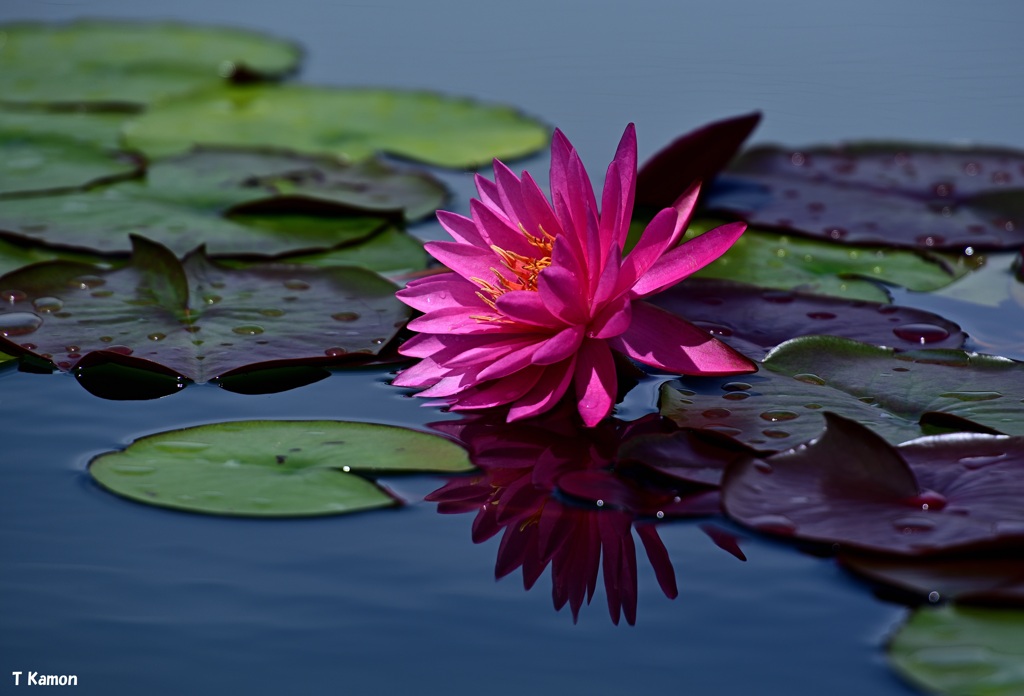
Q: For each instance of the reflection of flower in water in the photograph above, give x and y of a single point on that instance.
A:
(551, 488)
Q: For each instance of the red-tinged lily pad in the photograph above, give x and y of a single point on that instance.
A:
(985, 389)
(910, 195)
(849, 487)
(988, 580)
(195, 318)
(754, 320)
(234, 201)
(697, 156)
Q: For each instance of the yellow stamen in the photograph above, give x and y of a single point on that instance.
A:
(525, 270)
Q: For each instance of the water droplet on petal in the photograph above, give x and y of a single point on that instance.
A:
(19, 323)
(921, 333)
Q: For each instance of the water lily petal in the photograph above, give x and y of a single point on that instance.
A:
(527, 307)
(461, 228)
(613, 320)
(595, 381)
(499, 231)
(468, 261)
(499, 392)
(687, 258)
(424, 373)
(462, 320)
(559, 347)
(561, 292)
(665, 341)
(445, 291)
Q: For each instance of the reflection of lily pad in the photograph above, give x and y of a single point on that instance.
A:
(272, 468)
(850, 487)
(824, 268)
(898, 194)
(130, 64)
(962, 651)
(195, 317)
(348, 123)
(234, 201)
(33, 164)
(753, 320)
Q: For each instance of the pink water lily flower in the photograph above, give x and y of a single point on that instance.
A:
(539, 295)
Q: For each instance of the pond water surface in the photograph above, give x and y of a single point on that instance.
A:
(137, 600)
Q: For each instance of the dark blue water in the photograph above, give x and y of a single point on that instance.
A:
(136, 600)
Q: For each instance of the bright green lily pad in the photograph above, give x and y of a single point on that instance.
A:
(348, 123)
(962, 651)
(98, 128)
(31, 164)
(233, 201)
(195, 318)
(272, 468)
(390, 252)
(15, 256)
(793, 263)
(985, 389)
(130, 64)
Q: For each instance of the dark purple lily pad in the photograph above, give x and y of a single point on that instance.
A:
(989, 580)
(696, 156)
(691, 456)
(849, 487)
(754, 320)
(928, 197)
(235, 201)
(604, 488)
(196, 318)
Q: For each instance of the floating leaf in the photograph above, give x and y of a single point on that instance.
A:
(990, 580)
(850, 487)
(825, 268)
(348, 123)
(692, 456)
(97, 128)
(272, 468)
(234, 201)
(982, 388)
(697, 156)
(754, 320)
(911, 195)
(194, 317)
(130, 64)
(15, 256)
(34, 164)
(962, 651)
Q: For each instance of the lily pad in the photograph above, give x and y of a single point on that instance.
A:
(348, 123)
(982, 388)
(195, 318)
(272, 468)
(234, 201)
(989, 580)
(100, 129)
(692, 456)
(130, 64)
(696, 156)
(850, 487)
(899, 194)
(754, 320)
(786, 262)
(15, 256)
(962, 651)
(36, 164)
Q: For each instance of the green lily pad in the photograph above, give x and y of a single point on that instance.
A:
(36, 164)
(348, 123)
(15, 256)
(786, 262)
(985, 389)
(390, 252)
(888, 392)
(130, 64)
(272, 468)
(100, 129)
(195, 318)
(233, 201)
(962, 651)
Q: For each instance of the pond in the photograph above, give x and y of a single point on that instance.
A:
(138, 600)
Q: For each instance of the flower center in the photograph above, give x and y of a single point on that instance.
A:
(525, 269)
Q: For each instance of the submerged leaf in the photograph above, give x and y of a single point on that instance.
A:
(272, 468)
(899, 194)
(347, 123)
(130, 64)
(233, 201)
(850, 487)
(962, 651)
(195, 317)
